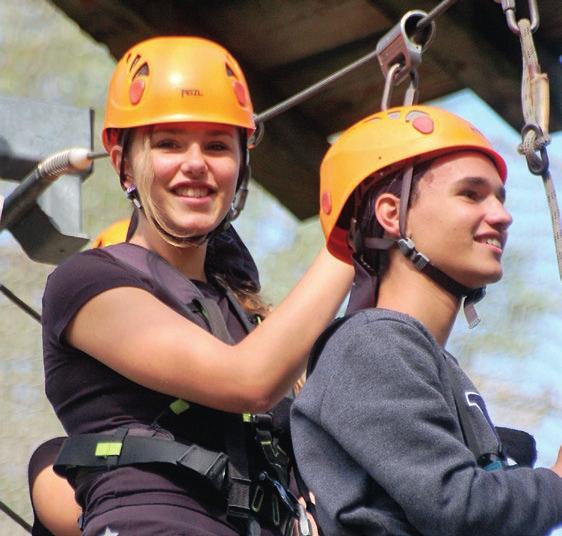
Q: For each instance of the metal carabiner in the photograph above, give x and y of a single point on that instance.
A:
(508, 7)
(538, 164)
(403, 45)
(257, 136)
(412, 93)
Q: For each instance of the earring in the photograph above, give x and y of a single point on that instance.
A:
(132, 194)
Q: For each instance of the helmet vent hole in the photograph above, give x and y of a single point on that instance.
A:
(134, 62)
(229, 71)
(143, 70)
(413, 114)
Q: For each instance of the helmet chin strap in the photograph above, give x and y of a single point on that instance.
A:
(470, 296)
(423, 264)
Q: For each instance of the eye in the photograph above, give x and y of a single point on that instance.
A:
(165, 143)
(217, 146)
(471, 194)
(222, 144)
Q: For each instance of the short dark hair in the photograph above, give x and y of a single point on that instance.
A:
(367, 222)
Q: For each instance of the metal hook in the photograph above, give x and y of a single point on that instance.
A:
(509, 8)
(537, 163)
(412, 93)
(257, 136)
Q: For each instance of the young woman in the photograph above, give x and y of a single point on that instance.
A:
(150, 353)
(389, 433)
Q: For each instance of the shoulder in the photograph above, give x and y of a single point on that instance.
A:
(380, 330)
(373, 345)
(81, 277)
(91, 269)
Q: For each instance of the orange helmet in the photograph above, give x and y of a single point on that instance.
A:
(176, 79)
(383, 143)
(114, 234)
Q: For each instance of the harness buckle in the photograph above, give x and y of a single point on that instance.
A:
(215, 473)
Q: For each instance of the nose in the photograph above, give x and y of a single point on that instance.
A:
(194, 164)
(499, 216)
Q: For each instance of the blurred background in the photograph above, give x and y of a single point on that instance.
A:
(513, 355)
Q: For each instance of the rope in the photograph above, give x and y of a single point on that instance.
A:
(535, 105)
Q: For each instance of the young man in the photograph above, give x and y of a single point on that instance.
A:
(391, 436)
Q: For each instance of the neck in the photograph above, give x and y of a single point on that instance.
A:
(405, 289)
(190, 261)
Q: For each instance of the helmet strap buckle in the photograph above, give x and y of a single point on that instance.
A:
(408, 249)
(133, 195)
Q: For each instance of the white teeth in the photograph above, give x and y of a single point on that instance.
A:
(190, 191)
(493, 242)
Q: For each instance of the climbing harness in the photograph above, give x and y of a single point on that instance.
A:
(535, 104)
(255, 492)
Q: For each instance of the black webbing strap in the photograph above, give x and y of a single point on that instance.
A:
(173, 284)
(215, 318)
(364, 288)
(238, 504)
(110, 451)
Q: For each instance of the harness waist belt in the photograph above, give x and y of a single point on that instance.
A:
(106, 451)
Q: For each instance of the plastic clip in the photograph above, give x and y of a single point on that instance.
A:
(408, 249)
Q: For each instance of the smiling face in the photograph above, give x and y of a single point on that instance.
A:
(187, 173)
(458, 218)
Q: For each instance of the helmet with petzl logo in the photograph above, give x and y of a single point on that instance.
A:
(173, 80)
(384, 143)
(391, 143)
(177, 80)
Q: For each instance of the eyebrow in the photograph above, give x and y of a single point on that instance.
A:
(481, 181)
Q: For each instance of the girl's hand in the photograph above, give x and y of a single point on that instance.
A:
(312, 527)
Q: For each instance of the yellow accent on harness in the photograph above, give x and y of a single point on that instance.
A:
(179, 406)
(108, 449)
(247, 417)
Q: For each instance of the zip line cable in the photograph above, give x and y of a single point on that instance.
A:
(24, 196)
(15, 517)
(426, 20)
(20, 303)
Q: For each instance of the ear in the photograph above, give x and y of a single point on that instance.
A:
(387, 212)
(116, 154)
